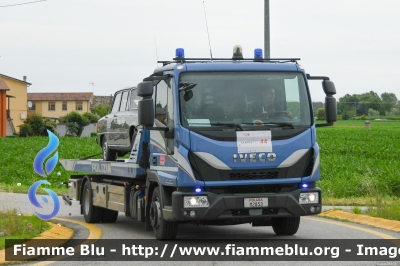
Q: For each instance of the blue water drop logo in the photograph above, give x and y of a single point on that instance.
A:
(44, 153)
(49, 166)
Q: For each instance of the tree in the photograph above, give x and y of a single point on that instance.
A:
(321, 114)
(390, 101)
(370, 100)
(347, 103)
(75, 122)
(93, 118)
(372, 112)
(101, 110)
(317, 105)
(36, 124)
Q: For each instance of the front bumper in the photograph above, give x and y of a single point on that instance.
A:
(231, 206)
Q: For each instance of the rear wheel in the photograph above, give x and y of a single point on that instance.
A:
(285, 225)
(108, 154)
(92, 214)
(161, 228)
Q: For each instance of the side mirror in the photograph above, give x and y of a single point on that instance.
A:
(145, 89)
(329, 87)
(145, 105)
(330, 109)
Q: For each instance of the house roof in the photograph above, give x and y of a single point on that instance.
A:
(27, 83)
(61, 96)
(3, 85)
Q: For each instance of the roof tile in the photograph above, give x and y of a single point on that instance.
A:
(3, 85)
(61, 96)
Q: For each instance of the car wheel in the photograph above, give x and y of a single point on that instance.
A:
(108, 154)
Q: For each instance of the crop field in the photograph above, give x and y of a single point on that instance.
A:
(18, 154)
(356, 162)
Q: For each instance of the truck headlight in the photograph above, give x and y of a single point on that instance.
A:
(195, 202)
(309, 197)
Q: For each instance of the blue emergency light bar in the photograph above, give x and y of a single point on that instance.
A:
(258, 53)
(180, 53)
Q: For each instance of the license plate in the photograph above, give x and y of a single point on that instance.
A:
(255, 202)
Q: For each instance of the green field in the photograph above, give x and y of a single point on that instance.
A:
(356, 164)
(18, 154)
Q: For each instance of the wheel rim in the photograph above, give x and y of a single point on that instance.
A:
(155, 213)
(86, 202)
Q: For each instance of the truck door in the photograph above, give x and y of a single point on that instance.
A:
(164, 118)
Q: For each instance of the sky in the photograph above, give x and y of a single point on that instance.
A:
(102, 46)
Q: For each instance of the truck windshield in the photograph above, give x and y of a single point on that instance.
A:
(249, 100)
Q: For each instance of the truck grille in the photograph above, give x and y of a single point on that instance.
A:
(245, 212)
(253, 174)
(250, 189)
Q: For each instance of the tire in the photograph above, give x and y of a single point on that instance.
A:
(92, 214)
(108, 154)
(109, 216)
(162, 229)
(285, 226)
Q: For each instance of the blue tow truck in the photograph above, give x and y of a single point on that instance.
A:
(220, 141)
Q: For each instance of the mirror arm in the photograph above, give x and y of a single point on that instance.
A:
(168, 133)
(324, 125)
(316, 77)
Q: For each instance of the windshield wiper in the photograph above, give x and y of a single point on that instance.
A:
(282, 124)
(186, 86)
(234, 125)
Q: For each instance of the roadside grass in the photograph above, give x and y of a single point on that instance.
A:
(14, 188)
(13, 225)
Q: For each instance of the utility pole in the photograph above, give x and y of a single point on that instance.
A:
(267, 53)
(92, 83)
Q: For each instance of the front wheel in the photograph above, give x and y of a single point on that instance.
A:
(162, 229)
(285, 226)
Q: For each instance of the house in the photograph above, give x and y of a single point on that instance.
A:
(15, 103)
(57, 105)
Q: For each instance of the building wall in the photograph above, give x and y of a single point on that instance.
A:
(42, 107)
(62, 130)
(18, 105)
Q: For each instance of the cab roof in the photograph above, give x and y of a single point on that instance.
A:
(202, 65)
